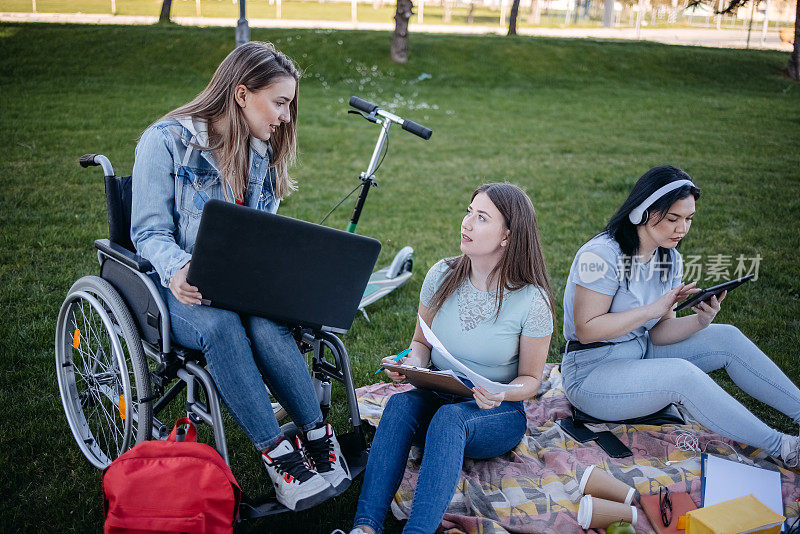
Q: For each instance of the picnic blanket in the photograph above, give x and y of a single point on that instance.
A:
(534, 488)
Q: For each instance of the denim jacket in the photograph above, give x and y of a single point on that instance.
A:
(172, 180)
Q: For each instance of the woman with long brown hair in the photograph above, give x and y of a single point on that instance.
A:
(491, 308)
(235, 141)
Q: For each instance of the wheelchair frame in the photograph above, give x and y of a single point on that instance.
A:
(109, 326)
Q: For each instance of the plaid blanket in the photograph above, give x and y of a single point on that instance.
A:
(534, 488)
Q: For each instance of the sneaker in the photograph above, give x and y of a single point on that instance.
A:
(296, 486)
(325, 456)
(790, 450)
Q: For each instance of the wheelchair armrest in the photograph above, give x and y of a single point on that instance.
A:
(123, 255)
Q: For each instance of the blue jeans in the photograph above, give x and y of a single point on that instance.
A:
(451, 427)
(636, 378)
(242, 353)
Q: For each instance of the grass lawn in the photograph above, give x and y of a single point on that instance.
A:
(573, 121)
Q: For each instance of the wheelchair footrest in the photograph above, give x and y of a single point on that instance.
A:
(265, 506)
(354, 449)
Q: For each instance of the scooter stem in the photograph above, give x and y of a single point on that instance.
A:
(367, 177)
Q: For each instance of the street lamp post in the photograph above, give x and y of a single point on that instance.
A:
(242, 29)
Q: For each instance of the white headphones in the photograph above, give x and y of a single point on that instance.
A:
(639, 214)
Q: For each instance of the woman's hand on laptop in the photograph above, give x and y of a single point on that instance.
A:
(183, 291)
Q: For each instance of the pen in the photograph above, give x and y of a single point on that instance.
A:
(396, 358)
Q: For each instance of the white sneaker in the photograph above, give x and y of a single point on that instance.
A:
(325, 456)
(790, 450)
(296, 486)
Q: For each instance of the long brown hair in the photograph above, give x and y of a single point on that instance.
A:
(522, 262)
(255, 65)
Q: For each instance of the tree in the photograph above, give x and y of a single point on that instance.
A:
(793, 68)
(512, 18)
(166, 7)
(399, 51)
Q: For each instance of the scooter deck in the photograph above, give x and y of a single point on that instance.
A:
(379, 286)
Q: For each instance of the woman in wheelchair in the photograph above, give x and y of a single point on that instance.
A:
(235, 142)
(491, 308)
(628, 355)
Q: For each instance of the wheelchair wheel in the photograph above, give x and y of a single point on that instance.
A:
(102, 372)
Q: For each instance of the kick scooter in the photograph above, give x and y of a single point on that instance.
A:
(385, 280)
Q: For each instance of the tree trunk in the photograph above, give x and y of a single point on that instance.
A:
(512, 18)
(399, 51)
(608, 13)
(794, 60)
(535, 14)
(166, 7)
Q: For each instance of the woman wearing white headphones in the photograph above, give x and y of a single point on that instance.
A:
(629, 355)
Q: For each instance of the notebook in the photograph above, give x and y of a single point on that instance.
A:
(723, 480)
(681, 503)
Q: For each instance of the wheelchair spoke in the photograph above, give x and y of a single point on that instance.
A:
(101, 369)
(104, 419)
(98, 380)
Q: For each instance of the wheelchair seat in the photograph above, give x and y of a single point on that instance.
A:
(117, 367)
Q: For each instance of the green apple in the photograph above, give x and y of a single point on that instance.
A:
(620, 527)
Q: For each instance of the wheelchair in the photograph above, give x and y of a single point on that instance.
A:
(118, 368)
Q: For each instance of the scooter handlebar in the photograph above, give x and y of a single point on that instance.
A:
(409, 126)
(363, 105)
(417, 129)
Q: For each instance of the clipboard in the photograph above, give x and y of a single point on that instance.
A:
(430, 379)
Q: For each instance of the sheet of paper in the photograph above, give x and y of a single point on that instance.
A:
(489, 385)
(726, 480)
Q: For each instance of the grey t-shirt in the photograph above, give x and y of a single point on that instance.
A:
(598, 266)
(466, 326)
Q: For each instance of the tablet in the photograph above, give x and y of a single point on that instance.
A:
(711, 291)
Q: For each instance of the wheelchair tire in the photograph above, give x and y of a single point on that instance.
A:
(102, 372)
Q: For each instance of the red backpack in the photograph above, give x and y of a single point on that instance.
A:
(170, 486)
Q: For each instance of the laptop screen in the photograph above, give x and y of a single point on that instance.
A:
(291, 271)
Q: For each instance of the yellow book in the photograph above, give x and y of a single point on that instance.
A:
(744, 515)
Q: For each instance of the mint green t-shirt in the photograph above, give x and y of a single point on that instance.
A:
(466, 325)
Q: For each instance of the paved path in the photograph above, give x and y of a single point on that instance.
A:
(676, 36)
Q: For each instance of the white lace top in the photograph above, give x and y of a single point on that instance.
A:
(466, 325)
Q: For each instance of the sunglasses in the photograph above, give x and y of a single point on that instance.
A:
(665, 505)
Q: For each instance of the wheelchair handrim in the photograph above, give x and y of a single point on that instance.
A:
(98, 388)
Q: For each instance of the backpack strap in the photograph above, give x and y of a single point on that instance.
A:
(190, 434)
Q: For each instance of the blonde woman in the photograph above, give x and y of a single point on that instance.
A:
(235, 141)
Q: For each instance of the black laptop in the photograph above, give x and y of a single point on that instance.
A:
(290, 271)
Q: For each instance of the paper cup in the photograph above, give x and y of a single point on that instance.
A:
(600, 513)
(599, 483)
